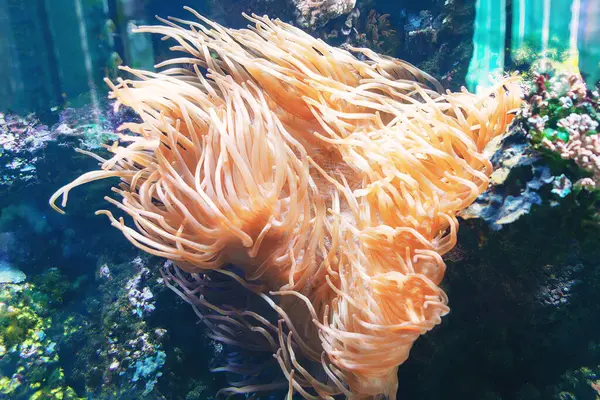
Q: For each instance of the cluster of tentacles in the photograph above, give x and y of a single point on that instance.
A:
(331, 179)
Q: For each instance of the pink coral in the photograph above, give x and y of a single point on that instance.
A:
(583, 146)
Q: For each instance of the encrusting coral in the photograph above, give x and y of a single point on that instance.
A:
(563, 117)
(312, 14)
(330, 182)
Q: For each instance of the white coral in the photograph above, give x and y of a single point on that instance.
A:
(583, 145)
(313, 14)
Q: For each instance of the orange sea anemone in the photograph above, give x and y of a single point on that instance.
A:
(333, 183)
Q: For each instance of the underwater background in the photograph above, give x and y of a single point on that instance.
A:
(86, 315)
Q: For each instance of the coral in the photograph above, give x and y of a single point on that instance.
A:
(140, 298)
(89, 326)
(438, 38)
(550, 154)
(315, 13)
(24, 140)
(561, 116)
(367, 28)
(20, 138)
(330, 183)
(22, 134)
(421, 36)
(148, 368)
(28, 359)
(91, 128)
(134, 355)
(424, 24)
(10, 274)
(377, 33)
(582, 145)
(38, 340)
(582, 383)
(123, 347)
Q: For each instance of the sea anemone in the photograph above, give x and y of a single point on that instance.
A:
(331, 183)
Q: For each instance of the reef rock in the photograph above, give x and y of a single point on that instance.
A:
(313, 14)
